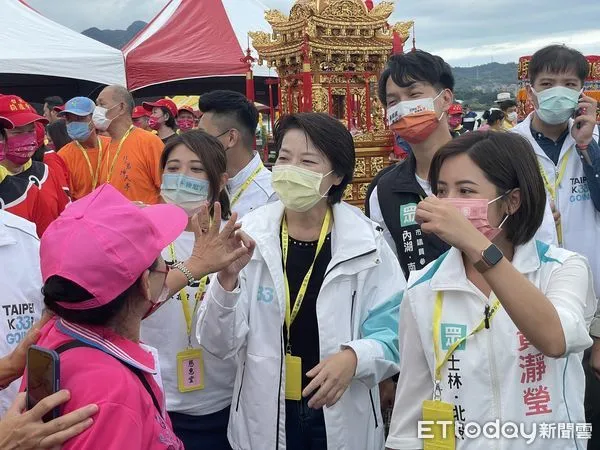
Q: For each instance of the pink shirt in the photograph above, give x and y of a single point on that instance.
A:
(127, 417)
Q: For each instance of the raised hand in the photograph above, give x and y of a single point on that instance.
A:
(585, 123)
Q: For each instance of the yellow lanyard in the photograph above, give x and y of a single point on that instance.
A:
(112, 166)
(185, 304)
(89, 163)
(437, 319)
(290, 314)
(553, 188)
(246, 184)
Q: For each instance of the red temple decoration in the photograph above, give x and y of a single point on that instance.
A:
(329, 54)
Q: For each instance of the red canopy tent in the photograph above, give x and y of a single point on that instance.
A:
(188, 39)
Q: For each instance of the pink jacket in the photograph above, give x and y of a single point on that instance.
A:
(127, 417)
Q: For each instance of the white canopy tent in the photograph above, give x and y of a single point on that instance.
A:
(32, 44)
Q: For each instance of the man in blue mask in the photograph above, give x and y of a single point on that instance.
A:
(83, 156)
(564, 135)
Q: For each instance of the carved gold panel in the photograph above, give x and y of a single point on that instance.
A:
(360, 169)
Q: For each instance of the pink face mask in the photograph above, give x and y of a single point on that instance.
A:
(185, 124)
(19, 149)
(476, 210)
(154, 123)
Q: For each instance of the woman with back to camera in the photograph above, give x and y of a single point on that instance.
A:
(103, 274)
(494, 118)
(495, 328)
(194, 168)
(312, 318)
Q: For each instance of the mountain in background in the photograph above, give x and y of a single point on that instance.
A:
(476, 86)
(115, 38)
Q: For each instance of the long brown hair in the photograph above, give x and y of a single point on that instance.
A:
(212, 154)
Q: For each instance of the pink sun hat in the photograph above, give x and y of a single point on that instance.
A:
(104, 243)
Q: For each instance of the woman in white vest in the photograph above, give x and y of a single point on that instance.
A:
(492, 333)
(313, 316)
(194, 168)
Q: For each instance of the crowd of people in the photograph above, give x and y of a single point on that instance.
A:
(199, 300)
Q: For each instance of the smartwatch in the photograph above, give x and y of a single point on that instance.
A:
(489, 258)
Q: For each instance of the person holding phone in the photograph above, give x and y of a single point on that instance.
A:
(103, 274)
(564, 136)
(493, 330)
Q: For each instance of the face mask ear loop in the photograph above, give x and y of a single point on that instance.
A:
(326, 194)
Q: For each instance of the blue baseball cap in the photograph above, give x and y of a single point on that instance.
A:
(80, 106)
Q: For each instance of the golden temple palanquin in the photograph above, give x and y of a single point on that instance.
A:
(329, 55)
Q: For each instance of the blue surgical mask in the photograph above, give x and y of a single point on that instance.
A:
(79, 131)
(557, 104)
(186, 192)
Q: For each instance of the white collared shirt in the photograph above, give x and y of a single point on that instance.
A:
(259, 192)
(21, 302)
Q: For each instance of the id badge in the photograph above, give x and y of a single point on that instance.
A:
(190, 370)
(293, 377)
(442, 435)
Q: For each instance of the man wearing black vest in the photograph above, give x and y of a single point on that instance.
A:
(417, 90)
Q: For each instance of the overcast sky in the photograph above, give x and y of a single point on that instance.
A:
(464, 32)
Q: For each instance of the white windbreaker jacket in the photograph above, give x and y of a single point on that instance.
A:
(357, 307)
(496, 374)
(579, 218)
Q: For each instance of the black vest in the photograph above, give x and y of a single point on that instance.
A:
(399, 192)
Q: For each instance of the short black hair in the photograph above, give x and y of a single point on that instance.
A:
(171, 121)
(558, 59)
(416, 66)
(58, 289)
(507, 104)
(330, 137)
(53, 101)
(57, 132)
(509, 162)
(236, 107)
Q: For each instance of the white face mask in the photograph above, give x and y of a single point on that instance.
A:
(512, 117)
(186, 192)
(405, 108)
(556, 105)
(298, 189)
(101, 122)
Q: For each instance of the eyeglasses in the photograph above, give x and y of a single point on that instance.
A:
(224, 132)
(166, 271)
(162, 299)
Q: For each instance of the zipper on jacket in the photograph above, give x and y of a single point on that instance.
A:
(237, 405)
(279, 392)
(349, 259)
(352, 316)
(373, 408)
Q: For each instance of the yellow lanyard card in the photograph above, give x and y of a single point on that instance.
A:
(438, 429)
(190, 370)
(293, 377)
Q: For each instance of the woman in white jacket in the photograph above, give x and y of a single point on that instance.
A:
(313, 315)
(493, 332)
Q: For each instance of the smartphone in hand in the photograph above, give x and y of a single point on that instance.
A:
(43, 373)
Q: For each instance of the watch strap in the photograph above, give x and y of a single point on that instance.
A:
(181, 267)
